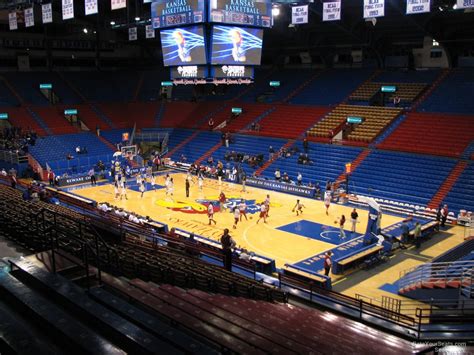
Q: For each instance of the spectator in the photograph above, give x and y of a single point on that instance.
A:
(51, 178)
(245, 255)
(210, 123)
(92, 177)
(327, 263)
(299, 179)
(3, 172)
(227, 245)
(305, 145)
(417, 235)
(354, 216)
(271, 151)
(317, 191)
(405, 231)
(396, 101)
(444, 215)
(277, 175)
(69, 156)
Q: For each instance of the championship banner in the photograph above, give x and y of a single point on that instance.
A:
(118, 4)
(149, 31)
(465, 4)
(12, 21)
(418, 6)
(374, 8)
(47, 13)
(91, 7)
(299, 14)
(29, 17)
(68, 9)
(332, 10)
(132, 34)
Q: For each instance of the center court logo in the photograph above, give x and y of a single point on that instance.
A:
(200, 206)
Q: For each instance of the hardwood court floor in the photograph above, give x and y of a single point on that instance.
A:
(287, 238)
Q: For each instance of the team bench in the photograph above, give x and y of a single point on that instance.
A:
(355, 258)
(292, 275)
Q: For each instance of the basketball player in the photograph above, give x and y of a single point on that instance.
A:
(354, 216)
(200, 181)
(210, 214)
(123, 192)
(142, 187)
(342, 220)
(236, 216)
(169, 187)
(298, 208)
(243, 209)
(244, 180)
(152, 181)
(116, 190)
(222, 200)
(263, 213)
(327, 201)
(267, 205)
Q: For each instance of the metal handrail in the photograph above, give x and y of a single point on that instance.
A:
(434, 272)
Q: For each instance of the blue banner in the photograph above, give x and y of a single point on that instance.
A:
(281, 187)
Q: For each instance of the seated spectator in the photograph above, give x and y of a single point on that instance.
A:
(245, 255)
(69, 156)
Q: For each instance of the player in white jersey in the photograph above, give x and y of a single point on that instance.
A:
(243, 209)
(236, 216)
(210, 214)
(200, 181)
(327, 201)
(123, 190)
(170, 187)
(267, 205)
(298, 208)
(152, 181)
(141, 187)
(263, 213)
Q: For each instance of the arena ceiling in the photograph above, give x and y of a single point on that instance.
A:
(393, 32)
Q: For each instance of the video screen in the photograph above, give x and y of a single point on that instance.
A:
(166, 13)
(246, 12)
(183, 46)
(236, 45)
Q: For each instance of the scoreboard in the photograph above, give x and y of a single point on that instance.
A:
(168, 13)
(241, 12)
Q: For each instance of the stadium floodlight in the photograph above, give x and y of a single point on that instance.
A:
(85, 30)
(275, 11)
(137, 18)
(112, 23)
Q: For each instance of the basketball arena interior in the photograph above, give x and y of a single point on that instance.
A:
(236, 177)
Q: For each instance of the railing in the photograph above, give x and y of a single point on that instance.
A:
(466, 289)
(434, 273)
(10, 157)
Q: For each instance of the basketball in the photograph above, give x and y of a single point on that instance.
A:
(335, 222)
(251, 217)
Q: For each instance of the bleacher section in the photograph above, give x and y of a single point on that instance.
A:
(20, 117)
(453, 95)
(406, 178)
(249, 145)
(290, 80)
(26, 84)
(289, 121)
(331, 87)
(461, 196)
(250, 112)
(198, 146)
(100, 86)
(125, 115)
(151, 85)
(407, 92)
(327, 163)
(7, 98)
(187, 114)
(436, 134)
(54, 118)
(55, 148)
(87, 115)
(375, 121)
(407, 76)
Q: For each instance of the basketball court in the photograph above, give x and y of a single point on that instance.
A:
(286, 238)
